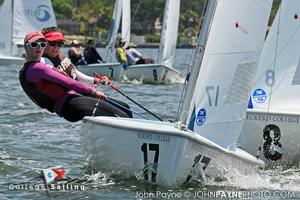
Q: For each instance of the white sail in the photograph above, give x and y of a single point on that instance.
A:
(169, 32)
(33, 15)
(233, 48)
(191, 79)
(126, 20)
(116, 18)
(278, 79)
(6, 24)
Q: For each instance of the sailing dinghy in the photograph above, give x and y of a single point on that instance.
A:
(169, 154)
(162, 71)
(112, 69)
(19, 18)
(273, 116)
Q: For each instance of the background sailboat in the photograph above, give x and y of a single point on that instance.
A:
(170, 154)
(273, 117)
(112, 69)
(6, 36)
(162, 71)
(18, 18)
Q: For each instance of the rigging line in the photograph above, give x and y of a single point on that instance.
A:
(284, 46)
(271, 87)
(95, 107)
(275, 59)
(138, 114)
(133, 101)
(191, 62)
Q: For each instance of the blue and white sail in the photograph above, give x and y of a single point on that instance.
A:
(277, 82)
(168, 37)
(20, 17)
(33, 15)
(218, 105)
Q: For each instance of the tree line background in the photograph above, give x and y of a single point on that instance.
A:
(98, 14)
(94, 16)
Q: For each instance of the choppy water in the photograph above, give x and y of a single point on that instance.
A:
(32, 139)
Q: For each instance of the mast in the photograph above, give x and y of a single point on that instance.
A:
(193, 74)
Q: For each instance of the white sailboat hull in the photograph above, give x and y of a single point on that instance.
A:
(113, 71)
(255, 134)
(157, 151)
(275, 95)
(154, 74)
(10, 60)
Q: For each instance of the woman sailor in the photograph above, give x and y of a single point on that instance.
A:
(50, 89)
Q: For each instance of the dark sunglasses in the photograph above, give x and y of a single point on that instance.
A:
(54, 43)
(37, 44)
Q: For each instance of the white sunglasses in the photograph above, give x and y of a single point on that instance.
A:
(37, 44)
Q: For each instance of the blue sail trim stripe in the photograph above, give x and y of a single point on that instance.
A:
(250, 104)
(192, 120)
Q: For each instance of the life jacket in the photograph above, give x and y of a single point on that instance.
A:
(56, 60)
(67, 69)
(120, 55)
(43, 93)
(74, 59)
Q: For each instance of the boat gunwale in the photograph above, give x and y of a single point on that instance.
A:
(185, 134)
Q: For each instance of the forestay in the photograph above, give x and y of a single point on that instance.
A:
(278, 79)
(169, 32)
(222, 90)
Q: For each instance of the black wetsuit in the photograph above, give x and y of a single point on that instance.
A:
(76, 60)
(78, 107)
(91, 55)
